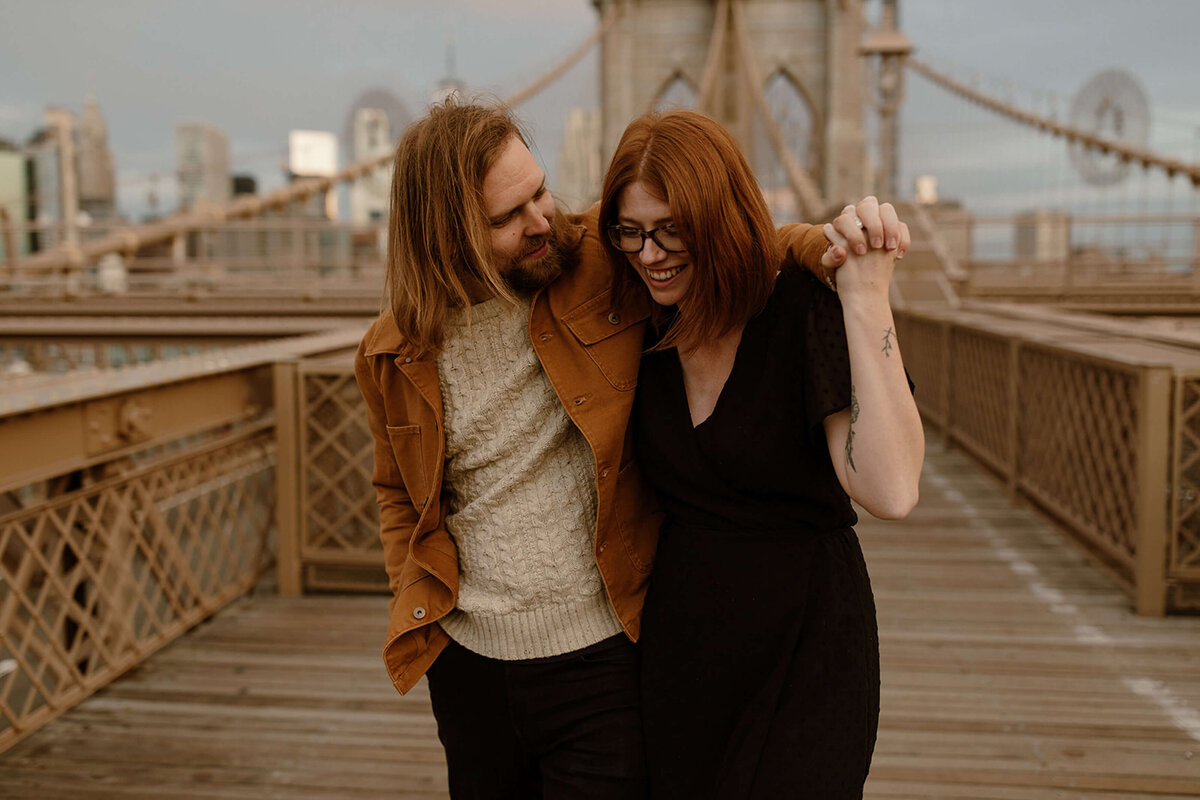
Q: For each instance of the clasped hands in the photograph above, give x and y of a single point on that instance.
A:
(865, 241)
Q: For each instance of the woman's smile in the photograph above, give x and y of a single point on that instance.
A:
(665, 274)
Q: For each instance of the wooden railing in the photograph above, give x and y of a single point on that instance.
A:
(1101, 433)
(134, 503)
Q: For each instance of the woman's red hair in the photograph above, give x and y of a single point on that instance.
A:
(694, 165)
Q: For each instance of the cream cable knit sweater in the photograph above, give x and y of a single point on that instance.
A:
(521, 489)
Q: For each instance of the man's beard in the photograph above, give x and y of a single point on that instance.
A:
(526, 276)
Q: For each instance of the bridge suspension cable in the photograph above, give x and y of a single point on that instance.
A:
(1145, 157)
(571, 60)
(712, 61)
(812, 204)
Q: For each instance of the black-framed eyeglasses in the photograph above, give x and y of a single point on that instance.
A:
(628, 239)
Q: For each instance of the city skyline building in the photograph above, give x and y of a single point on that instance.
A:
(372, 139)
(51, 181)
(314, 154)
(451, 83)
(13, 202)
(97, 174)
(202, 165)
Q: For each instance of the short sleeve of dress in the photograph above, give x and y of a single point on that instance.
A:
(826, 360)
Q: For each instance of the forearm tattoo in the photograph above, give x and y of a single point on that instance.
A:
(850, 433)
(888, 335)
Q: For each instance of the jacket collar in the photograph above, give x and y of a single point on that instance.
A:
(385, 337)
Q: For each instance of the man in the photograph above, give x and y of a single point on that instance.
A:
(518, 533)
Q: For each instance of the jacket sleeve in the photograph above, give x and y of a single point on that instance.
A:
(397, 516)
(802, 246)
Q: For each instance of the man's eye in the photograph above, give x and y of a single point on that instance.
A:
(500, 223)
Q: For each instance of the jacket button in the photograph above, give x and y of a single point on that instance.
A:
(614, 318)
(408, 360)
(419, 612)
(604, 473)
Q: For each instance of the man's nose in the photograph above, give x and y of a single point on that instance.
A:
(538, 224)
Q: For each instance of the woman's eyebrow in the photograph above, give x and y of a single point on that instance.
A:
(656, 223)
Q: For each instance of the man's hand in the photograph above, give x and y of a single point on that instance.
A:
(862, 227)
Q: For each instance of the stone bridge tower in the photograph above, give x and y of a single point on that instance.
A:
(655, 53)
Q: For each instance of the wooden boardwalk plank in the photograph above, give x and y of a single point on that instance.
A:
(1012, 670)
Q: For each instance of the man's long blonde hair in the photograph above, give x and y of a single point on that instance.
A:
(438, 234)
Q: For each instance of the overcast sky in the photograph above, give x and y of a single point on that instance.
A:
(258, 68)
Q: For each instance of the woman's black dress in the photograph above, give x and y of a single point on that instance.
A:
(760, 651)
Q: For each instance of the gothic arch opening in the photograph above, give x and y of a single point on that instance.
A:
(676, 92)
(799, 121)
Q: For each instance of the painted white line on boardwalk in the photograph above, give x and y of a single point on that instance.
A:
(1184, 717)
(1046, 594)
(1178, 711)
(1090, 634)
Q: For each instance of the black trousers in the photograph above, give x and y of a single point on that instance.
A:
(567, 727)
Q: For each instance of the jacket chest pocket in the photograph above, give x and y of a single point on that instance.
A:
(406, 448)
(607, 339)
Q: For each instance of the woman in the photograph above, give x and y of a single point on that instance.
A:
(764, 405)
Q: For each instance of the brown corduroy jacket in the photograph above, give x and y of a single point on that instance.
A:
(590, 353)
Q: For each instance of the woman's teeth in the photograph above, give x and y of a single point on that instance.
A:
(663, 275)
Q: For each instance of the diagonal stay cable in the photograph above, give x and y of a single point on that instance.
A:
(571, 60)
(712, 62)
(812, 204)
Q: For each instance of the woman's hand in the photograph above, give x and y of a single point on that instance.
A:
(862, 227)
(866, 278)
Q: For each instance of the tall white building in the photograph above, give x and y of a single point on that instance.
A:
(372, 139)
(579, 169)
(202, 165)
(314, 154)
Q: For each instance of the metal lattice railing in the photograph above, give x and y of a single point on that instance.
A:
(981, 380)
(94, 581)
(329, 518)
(134, 503)
(1184, 555)
(340, 533)
(1079, 460)
(1092, 439)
